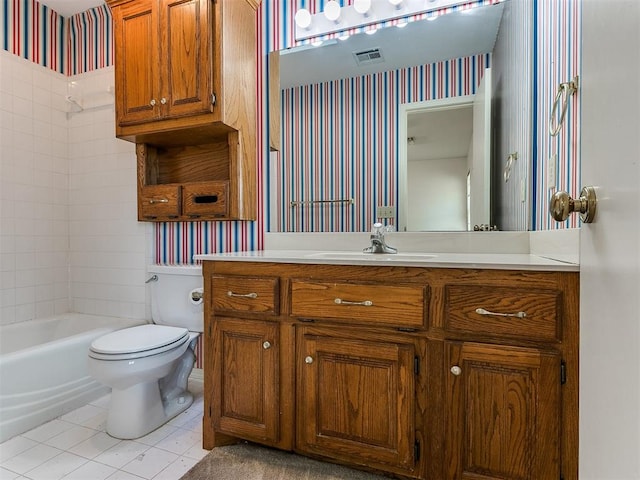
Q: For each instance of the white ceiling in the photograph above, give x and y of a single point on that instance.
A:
(67, 8)
(440, 134)
(449, 36)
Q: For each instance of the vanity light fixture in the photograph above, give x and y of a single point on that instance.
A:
(303, 19)
(332, 11)
(367, 15)
(363, 7)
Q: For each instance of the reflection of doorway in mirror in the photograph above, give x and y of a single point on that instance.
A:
(443, 173)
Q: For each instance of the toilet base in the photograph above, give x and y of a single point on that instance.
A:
(140, 410)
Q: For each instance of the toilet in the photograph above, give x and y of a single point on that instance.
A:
(147, 366)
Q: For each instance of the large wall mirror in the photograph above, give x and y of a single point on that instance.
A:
(409, 126)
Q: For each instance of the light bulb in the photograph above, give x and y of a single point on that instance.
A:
(303, 18)
(332, 11)
(362, 7)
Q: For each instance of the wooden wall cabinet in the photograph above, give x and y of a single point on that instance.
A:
(415, 372)
(185, 86)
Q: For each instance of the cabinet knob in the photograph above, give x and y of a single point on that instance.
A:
(308, 359)
(163, 101)
(266, 345)
(456, 370)
(152, 102)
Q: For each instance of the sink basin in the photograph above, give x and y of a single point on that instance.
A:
(373, 257)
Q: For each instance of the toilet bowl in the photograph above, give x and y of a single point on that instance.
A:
(148, 366)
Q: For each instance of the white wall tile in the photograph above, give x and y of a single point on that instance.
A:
(70, 236)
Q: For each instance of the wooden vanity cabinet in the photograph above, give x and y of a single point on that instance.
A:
(511, 373)
(429, 373)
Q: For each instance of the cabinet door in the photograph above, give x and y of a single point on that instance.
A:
(245, 398)
(356, 400)
(136, 62)
(185, 57)
(503, 413)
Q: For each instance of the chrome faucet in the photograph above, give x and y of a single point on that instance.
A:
(378, 244)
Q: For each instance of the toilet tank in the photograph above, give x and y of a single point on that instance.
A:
(171, 296)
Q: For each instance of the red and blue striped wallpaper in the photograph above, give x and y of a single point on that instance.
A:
(559, 59)
(35, 32)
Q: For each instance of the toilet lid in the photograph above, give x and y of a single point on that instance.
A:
(142, 338)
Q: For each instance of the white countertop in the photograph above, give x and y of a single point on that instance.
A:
(494, 261)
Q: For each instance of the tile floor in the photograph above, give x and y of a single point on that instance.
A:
(76, 447)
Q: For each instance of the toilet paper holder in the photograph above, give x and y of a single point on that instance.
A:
(196, 295)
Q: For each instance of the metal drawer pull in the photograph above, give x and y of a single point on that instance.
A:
(482, 311)
(308, 360)
(158, 200)
(456, 370)
(266, 345)
(245, 295)
(366, 303)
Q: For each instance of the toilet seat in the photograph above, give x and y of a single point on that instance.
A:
(138, 342)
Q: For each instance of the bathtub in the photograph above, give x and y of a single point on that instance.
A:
(43, 368)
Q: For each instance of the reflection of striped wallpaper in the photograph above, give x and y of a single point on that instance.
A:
(340, 141)
(512, 116)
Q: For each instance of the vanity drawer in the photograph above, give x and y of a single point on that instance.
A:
(245, 294)
(389, 305)
(531, 314)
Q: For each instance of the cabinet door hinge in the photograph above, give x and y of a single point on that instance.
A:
(210, 412)
(416, 365)
(563, 373)
(416, 451)
(213, 98)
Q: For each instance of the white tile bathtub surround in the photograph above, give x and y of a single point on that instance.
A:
(108, 245)
(76, 447)
(34, 236)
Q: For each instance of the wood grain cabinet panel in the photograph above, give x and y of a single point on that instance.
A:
(528, 313)
(246, 359)
(205, 199)
(355, 398)
(381, 304)
(503, 413)
(245, 294)
(137, 68)
(159, 201)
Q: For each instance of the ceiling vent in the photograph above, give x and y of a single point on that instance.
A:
(368, 57)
